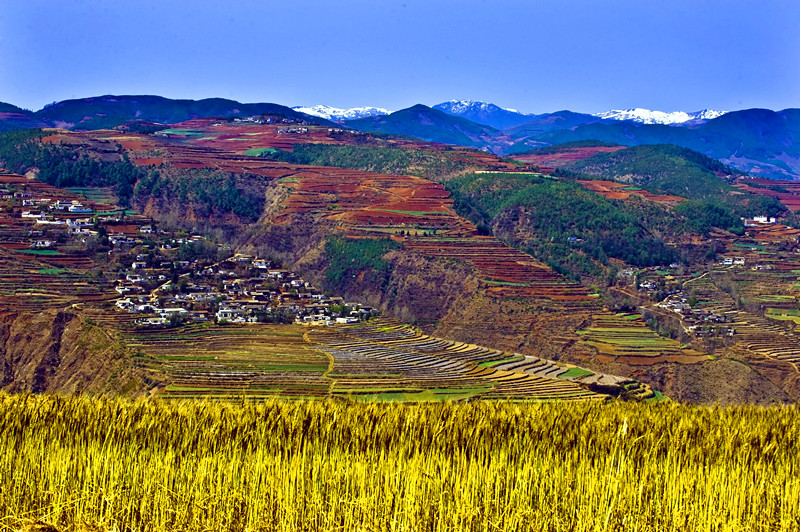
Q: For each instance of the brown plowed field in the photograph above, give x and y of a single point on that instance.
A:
(565, 156)
(8, 179)
(623, 191)
(774, 233)
(507, 272)
(355, 201)
(790, 198)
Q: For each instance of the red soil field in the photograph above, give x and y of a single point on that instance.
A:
(357, 198)
(651, 360)
(15, 245)
(614, 190)
(565, 156)
(790, 198)
(774, 232)
(508, 272)
(8, 179)
(356, 201)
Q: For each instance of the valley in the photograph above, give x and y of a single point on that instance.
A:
(461, 246)
(399, 267)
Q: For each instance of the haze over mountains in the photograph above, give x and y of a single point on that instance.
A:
(758, 141)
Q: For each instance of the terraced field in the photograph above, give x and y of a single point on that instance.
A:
(788, 192)
(623, 191)
(626, 338)
(33, 280)
(361, 204)
(775, 233)
(212, 361)
(770, 336)
(390, 361)
(564, 156)
(33, 283)
(506, 271)
(767, 288)
(792, 315)
(364, 202)
(382, 360)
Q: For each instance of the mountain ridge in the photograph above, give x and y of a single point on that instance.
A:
(335, 113)
(648, 116)
(484, 113)
(108, 111)
(758, 141)
(431, 125)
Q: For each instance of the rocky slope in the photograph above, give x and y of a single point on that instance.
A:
(64, 351)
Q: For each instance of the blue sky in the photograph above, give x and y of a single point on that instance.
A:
(536, 56)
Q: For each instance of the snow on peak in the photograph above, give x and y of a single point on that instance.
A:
(708, 114)
(334, 113)
(646, 116)
(464, 106)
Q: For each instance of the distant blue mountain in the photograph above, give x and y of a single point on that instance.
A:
(110, 111)
(484, 113)
(13, 117)
(430, 124)
(758, 141)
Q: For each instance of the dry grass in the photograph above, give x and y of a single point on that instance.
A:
(98, 464)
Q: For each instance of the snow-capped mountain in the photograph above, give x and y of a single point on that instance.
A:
(334, 113)
(460, 107)
(484, 113)
(646, 116)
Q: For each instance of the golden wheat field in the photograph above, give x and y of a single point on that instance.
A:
(97, 464)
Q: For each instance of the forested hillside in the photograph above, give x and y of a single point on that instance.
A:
(572, 229)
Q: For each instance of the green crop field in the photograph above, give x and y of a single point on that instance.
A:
(257, 152)
(413, 213)
(97, 195)
(182, 132)
(576, 372)
(625, 335)
(783, 314)
(207, 360)
(54, 271)
(90, 464)
(40, 251)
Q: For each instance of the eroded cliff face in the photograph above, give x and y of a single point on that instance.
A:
(61, 351)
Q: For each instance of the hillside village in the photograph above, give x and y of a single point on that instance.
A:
(170, 278)
(239, 289)
(167, 277)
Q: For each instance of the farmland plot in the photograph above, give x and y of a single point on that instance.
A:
(388, 360)
(257, 361)
(626, 339)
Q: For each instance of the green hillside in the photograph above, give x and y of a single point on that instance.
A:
(567, 146)
(661, 167)
(13, 117)
(683, 172)
(9, 108)
(574, 230)
(381, 159)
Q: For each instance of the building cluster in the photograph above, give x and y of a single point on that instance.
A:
(759, 221)
(700, 322)
(240, 289)
(44, 210)
(731, 261)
